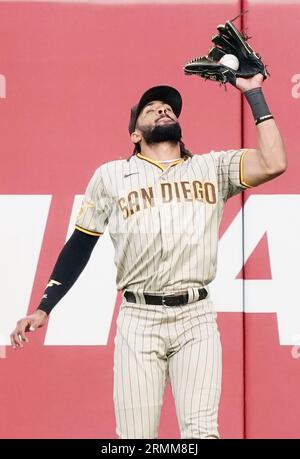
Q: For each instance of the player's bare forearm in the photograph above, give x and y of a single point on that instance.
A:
(271, 150)
(269, 159)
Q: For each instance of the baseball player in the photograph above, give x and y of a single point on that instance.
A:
(163, 207)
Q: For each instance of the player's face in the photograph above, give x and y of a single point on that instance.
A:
(158, 123)
(156, 113)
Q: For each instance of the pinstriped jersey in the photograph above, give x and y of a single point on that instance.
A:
(163, 221)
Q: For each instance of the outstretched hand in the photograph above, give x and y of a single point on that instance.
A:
(27, 324)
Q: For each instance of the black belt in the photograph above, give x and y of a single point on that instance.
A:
(171, 299)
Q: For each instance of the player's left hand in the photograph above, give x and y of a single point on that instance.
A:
(244, 84)
(245, 64)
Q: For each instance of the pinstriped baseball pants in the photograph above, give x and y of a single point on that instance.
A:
(156, 344)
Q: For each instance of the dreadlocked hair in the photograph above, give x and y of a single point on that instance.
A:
(184, 152)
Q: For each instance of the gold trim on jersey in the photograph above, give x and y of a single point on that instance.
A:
(242, 172)
(92, 233)
(156, 163)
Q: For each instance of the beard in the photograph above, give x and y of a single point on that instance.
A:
(162, 133)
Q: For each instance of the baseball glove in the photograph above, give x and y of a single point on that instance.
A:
(229, 40)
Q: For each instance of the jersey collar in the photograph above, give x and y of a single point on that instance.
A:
(156, 163)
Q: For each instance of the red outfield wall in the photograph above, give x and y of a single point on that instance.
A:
(272, 355)
(68, 75)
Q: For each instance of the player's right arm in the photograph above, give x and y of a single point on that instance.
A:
(90, 225)
(70, 263)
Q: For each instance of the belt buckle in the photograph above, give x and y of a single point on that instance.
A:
(164, 297)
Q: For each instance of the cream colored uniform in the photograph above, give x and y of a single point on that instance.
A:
(163, 222)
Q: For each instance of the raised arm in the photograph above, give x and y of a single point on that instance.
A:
(269, 159)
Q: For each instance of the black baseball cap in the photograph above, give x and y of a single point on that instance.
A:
(164, 93)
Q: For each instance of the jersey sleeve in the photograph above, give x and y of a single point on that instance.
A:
(230, 172)
(95, 208)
